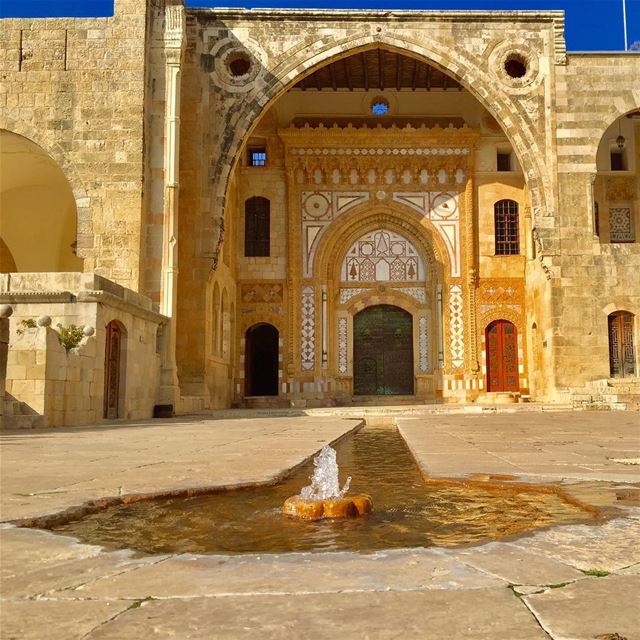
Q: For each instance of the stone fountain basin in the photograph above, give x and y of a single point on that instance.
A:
(345, 507)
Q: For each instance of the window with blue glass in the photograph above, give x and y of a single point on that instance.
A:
(379, 107)
(257, 156)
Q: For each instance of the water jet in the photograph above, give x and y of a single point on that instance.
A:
(323, 498)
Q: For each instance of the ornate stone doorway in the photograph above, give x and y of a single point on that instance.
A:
(261, 360)
(621, 353)
(113, 378)
(383, 351)
(502, 356)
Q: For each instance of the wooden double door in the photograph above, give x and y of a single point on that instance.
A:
(383, 351)
(621, 351)
(501, 339)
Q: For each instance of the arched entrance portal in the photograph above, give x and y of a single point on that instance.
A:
(114, 367)
(261, 360)
(383, 351)
(502, 356)
(621, 354)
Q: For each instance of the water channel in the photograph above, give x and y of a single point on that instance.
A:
(409, 511)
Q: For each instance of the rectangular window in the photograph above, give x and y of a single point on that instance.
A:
(503, 161)
(507, 242)
(617, 161)
(257, 156)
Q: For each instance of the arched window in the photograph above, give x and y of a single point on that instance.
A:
(505, 214)
(256, 227)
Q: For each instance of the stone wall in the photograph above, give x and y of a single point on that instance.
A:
(592, 278)
(76, 87)
(67, 387)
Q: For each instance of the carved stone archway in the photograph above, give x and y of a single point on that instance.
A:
(293, 66)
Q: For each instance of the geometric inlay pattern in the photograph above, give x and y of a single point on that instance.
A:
(415, 292)
(347, 294)
(456, 326)
(308, 329)
(382, 256)
(621, 224)
(342, 345)
(442, 208)
(261, 292)
(319, 209)
(423, 342)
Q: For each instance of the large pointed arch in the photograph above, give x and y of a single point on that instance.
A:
(295, 64)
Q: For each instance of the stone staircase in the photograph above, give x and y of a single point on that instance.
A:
(380, 401)
(19, 415)
(500, 397)
(609, 393)
(265, 402)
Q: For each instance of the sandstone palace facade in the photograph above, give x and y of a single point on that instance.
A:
(209, 208)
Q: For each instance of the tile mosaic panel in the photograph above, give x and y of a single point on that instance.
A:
(342, 345)
(456, 326)
(621, 224)
(308, 331)
(382, 256)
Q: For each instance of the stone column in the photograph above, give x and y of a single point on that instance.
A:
(174, 46)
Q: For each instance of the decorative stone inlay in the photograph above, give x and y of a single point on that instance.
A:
(308, 332)
(382, 256)
(423, 343)
(347, 294)
(621, 225)
(380, 151)
(342, 345)
(443, 209)
(261, 292)
(456, 326)
(415, 292)
(620, 188)
(319, 208)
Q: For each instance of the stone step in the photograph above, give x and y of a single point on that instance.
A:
(13, 407)
(33, 421)
(367, 401)
(498, 397)
(265, 402)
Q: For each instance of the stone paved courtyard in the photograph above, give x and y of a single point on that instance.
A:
(576, 581)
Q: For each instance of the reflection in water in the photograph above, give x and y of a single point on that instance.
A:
(407, 511)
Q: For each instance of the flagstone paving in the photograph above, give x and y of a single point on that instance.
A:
(568, 582)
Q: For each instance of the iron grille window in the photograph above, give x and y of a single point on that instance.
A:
(506, 228)
(257, 227)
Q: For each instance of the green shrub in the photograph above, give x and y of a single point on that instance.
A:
(26, 323)
(70, 337)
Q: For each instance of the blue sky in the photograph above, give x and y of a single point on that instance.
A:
(591, 25)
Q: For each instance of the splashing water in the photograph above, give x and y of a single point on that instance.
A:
(324, 481)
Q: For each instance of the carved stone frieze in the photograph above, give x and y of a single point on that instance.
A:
(621, 188)
(261, 292)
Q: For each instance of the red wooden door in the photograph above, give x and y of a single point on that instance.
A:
(621, 353)
(502, 356)
(112, 370)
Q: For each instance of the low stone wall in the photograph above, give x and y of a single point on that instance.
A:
(67, 386)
